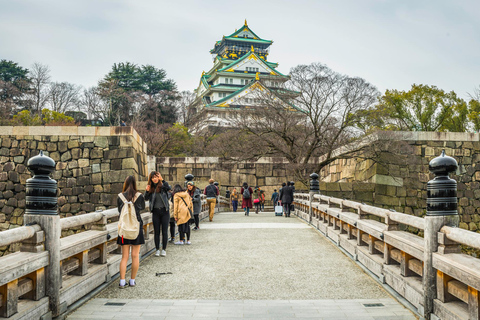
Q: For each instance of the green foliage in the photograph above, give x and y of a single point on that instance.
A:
(48, 117)
(25, 118)
(11, 72)
(423, 108)
(14, 83)
(474, 113)
(128, 86)
(181, 141)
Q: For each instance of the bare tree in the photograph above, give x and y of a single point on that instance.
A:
(313, 116)
(40, 78)
(185, 99)
(64, 96)
(93, 105)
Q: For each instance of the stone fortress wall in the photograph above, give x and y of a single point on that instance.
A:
(397, 177)
(267, 173)
(91, 166)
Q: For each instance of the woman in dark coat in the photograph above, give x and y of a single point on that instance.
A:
(246, 202)
(130, 193)
(157, 193)
(195, 193)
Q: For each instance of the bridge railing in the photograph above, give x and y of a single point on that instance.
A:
(376, 238)
(87, 260)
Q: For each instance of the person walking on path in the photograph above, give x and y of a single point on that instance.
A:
(274, 198)
(157, 192)
(280, 195)
(194, 193)
(212, 192)
(257, 199)
(247, 194)
(287, 198)
(262, 199)
(234, 199)
(183, 210)
(130, 193)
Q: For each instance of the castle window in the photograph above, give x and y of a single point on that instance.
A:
(231, 81)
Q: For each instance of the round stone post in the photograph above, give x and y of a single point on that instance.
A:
(314, 189)
(188, 177)
(41, 208)
(441, 210)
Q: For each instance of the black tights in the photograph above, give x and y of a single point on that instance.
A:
(160, 218)
(197, 220)
(183, 229)
(172, 228)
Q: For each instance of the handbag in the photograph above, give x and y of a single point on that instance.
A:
(256, 201)
(292, 207)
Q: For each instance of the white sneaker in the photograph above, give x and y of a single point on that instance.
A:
(164, 253)
(189, 242)
(157, 254)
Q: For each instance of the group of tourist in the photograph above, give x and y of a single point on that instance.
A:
(180, 207)
(256, 197)
(169, 207)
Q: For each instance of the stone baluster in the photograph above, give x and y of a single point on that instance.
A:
(441, 211)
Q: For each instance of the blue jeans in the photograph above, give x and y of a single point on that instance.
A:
(247, 210)
(235, 205)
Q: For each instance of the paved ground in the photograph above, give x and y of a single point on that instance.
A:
(259, 266)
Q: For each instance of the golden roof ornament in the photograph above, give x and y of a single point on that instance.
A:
(253, 50)
(246, 23)
(257, 77)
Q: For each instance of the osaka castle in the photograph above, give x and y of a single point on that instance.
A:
(240, 72)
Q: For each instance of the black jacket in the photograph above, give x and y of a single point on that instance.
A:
(154, 196)
(287, 195)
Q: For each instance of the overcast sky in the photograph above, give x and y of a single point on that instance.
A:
(391, 44)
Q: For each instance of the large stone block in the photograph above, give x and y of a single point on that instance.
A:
(73, 144)
(66, 156)
(82, 163)
(76, 153)
(96, 178)
(117, 176)
(101, 142)
(129, 163)
(96, 154)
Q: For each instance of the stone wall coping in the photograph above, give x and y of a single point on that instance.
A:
(68, 131)
(209, 160)
(404, 136)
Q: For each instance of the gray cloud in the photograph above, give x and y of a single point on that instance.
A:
(392, 44)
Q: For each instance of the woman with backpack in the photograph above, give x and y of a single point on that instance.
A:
(194, 193)
(130, 196)
(183, 210)
(157, 193)
(246, 192)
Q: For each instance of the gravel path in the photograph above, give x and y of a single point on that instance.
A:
(256, 257)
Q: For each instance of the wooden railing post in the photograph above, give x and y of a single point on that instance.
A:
(41, 208)
(441, 211)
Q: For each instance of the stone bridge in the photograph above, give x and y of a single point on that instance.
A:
(56, 263)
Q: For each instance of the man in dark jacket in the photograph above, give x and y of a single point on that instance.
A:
(287, 198)
(212, 192)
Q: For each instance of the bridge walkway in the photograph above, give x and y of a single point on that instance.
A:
(261, 267)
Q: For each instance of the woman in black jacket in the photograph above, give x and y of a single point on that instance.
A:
(157, 193)
(130, 193)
